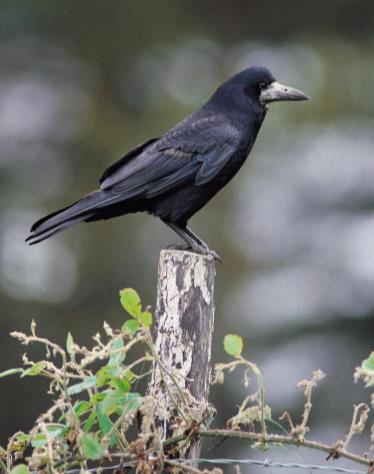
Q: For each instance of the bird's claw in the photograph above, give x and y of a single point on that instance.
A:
(205, 250)
(178, 247)
(214, 254)
(197, 249)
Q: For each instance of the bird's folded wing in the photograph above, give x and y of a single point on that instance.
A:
(195, 156)
(212, 140)
(151, 173)
(213, 162)
(125, 159)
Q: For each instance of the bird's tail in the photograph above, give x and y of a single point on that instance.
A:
(60, 220)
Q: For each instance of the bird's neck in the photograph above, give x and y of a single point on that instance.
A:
(239, 108)
(244, 113)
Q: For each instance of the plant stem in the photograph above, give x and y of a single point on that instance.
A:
(275, 439)
(183, 467)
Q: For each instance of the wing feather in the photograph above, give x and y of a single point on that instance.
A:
(195, 151)
(213, 163)
(110, 171)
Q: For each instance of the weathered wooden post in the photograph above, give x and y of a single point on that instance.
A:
(183, 334)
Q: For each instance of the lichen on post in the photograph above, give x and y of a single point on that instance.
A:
(183, 330)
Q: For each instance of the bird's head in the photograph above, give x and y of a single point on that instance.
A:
(260, 84)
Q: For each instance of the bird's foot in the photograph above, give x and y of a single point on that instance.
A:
(197, 249)
(214, 254)
(205, 250)
(178, 247)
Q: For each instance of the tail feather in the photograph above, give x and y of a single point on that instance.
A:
(39, 236)
(64, 218)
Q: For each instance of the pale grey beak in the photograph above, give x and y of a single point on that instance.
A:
(276, 92)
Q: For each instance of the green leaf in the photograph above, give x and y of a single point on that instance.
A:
(117, 399)
(123, 384)
(146, 319)
(34, 369)
(91, 447)
(22, 437)
(90, 421)
(104, 422)
(82, 407)
(233, 344)
(117, 356)
(38, 440)
(131, 326)
(102, 377)
(84, 385)
(129, 375)
(10, 372)
(69, 346)
(130, 300)
(131, 401)
(98, 397)
(20, 469)
(112, 440)
(111, 401)
(368, 364)
(19, 442)
(133, 404)
(55, 430)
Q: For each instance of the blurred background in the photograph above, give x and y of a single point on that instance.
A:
(83, 82)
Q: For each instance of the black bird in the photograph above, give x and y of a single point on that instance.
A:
(174, 176)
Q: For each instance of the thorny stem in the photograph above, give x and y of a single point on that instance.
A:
(64, 387)
(56, 349)
(3, 466)
(118, 423)
(146, 358)
(260, 382)
(132, 343)
(105, 349)
(239, 360)
(359, 418)
(286, 416)
(142, 376)
(49, 448)
(275, 439)
(183, 467)
(300, 430)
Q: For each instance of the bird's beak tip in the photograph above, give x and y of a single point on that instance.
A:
(305, 97)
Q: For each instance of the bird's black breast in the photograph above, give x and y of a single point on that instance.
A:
(203, 141)
(180, 204)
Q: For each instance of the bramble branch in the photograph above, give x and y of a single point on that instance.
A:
(276, 439)
(95, 403)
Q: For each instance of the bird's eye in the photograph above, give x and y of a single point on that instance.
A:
(262, 86)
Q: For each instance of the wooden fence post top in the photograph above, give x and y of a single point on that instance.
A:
(180, 252)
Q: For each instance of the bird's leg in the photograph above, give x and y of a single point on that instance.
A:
(190, 241)
(196, 238)
(202, 244)
(193, 241)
